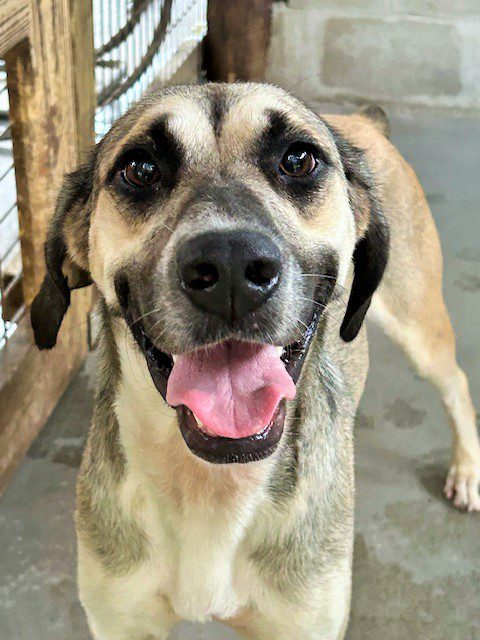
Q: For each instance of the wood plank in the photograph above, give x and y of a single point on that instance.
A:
(237, 41)
(52, 100)
(31, 383)
(14, 23)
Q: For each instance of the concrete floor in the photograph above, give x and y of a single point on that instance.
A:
(417, 560)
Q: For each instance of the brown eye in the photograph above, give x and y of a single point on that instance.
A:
(298, 161)
(141, 172)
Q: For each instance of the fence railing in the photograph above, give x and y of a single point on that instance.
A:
(11, 295)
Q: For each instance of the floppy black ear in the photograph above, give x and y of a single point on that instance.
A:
(369, 259)
(370, 256)
(66, 261)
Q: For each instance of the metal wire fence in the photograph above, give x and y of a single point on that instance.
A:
(11, 303)
(137, 42)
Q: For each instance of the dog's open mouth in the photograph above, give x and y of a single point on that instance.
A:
(230, 396)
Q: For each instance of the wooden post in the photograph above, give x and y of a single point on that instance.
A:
(52, 104)
(14, 22)
(237, 41)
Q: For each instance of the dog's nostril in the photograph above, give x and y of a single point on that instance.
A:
(262, 273)
(200, 276)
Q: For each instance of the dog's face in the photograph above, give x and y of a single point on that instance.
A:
(218, 221)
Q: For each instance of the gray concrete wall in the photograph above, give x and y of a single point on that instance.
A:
(417, 52)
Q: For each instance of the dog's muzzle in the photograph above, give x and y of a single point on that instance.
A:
(230, 393)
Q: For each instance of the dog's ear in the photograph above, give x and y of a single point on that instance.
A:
(370, 256)
(377, 116)
(66, 255)
(369, 261)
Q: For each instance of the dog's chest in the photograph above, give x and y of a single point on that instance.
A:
(195, 554)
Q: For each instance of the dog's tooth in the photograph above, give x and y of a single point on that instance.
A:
(174, 357)
(200, 424)
(279, 351)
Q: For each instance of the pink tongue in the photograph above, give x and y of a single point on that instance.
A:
(233, 388)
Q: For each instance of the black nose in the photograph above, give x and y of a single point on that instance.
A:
(229, 273)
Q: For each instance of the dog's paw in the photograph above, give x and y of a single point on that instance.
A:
(463, 485)
(191, 611)
(202, 611)
(202, 605)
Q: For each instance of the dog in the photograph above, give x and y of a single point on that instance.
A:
(237, 240)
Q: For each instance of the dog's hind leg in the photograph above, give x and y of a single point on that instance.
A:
(414, 315)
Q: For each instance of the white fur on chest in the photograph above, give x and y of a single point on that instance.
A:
(191, 559)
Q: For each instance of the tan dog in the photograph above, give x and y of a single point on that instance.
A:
(220, 225)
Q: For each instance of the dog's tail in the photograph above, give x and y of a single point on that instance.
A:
(377, 116)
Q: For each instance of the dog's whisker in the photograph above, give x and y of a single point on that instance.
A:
(269, 337)
(144, 315)
(324, 275)
(165, 226)
(317, 275)
(155, 325)
(301, 322)
(318, 304)
(326, 310)
(332, 317)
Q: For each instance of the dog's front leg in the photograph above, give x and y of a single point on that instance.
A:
(320, 614)
(123, 606)
(101, 633)
(147, 621)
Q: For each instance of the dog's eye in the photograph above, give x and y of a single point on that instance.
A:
(299, 160)
(141, 172)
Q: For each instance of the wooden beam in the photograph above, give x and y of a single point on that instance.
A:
(52, 100)
(31, 383)
(50, 80)
(14, 23)
(237, 40)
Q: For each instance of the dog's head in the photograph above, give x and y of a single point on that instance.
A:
(218, 221)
